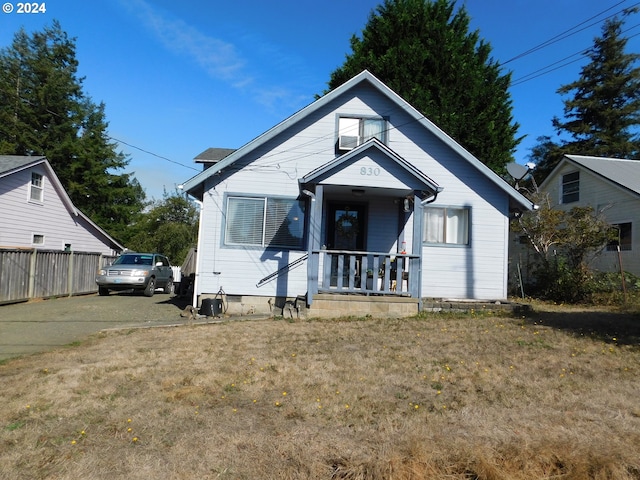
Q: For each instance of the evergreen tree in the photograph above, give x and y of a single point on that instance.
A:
(44, 111)
(604, 108)
(426, 54)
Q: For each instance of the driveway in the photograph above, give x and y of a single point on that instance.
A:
(41, 325)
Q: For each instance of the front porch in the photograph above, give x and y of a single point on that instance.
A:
(365, 273)
(360, 283)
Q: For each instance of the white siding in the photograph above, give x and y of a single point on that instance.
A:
(618, 206)
(477, 271)
(20, 218)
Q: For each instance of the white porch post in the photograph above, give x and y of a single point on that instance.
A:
(416, 247)
(315, 230)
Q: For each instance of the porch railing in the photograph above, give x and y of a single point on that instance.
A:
(341, 271)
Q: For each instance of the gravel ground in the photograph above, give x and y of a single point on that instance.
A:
(41, 325)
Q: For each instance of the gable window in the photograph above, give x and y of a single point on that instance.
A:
(265, 222)
(354, 131)
(446, 225)
(36, 189)
(571, 187)
(37, 239)
(624, 238)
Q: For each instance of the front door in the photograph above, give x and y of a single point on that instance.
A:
(346, 230)
(346, 227)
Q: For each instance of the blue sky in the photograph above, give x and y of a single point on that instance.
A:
(180, 77)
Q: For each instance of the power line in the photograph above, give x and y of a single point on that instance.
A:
(548, 69)
(570, 32)
(153, 154)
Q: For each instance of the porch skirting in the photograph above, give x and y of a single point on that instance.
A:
(334, 306)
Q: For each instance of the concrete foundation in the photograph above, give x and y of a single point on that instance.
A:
(329, 306)
(334, 306)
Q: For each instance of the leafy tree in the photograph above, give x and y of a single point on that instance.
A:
(565, 241)
(604, 108)
(426, 54)
(44, 111)
(170, 227)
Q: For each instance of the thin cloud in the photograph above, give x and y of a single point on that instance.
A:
(221, 60)
(218, 58)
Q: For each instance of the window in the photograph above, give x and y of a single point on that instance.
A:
(571, 187)
(163, 260)
(446, 225)
(265, 222)
(36, 188)
(623, 240)
(354, 131)
(37, 239)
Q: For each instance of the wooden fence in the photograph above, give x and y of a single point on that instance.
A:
(32, 273)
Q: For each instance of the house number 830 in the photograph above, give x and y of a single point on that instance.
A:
(368, 171)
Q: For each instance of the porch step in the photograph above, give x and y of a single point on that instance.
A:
(332, 306)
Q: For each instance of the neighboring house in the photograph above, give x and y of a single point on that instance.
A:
(610, 186)
(357, 193)
(36, 212)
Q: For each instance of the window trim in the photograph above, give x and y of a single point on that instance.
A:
(444, 243)
(36, 188)
(361, 121)
(570, 183)
(613, 245)
(263, 245)
(37, 235)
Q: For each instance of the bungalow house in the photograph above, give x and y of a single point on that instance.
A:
(36, 212)
(356, 203)
(610, 186)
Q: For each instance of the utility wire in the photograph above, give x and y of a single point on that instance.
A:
(153, 154)
(568, 33)
(548, 69)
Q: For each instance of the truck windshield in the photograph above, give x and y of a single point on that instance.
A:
(134, 259)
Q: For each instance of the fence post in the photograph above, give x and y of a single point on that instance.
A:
(70, 275)
(32, 273)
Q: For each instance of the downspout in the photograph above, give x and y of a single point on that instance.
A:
(433, 197)
(417, 236)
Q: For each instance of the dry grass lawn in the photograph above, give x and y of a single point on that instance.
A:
(473, 396)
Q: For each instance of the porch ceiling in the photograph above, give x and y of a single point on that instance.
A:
(357, 191)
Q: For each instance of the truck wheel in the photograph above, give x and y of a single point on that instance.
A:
(168, 288)
(103, 291)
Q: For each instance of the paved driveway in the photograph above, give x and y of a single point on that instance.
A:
(40, 325)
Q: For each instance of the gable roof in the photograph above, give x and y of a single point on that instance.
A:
(213, 155)
(10, 164)
(622, 172)
(372, 144)
(192, 185)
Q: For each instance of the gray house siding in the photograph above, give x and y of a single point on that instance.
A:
(618, 205)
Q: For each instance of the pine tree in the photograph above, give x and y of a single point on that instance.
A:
(604, 108)
(44, 111)
(426, 54)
